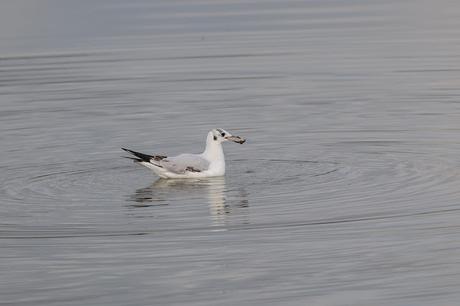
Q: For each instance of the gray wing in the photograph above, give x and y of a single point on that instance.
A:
(184, 162)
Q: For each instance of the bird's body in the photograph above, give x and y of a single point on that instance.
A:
(210, 163)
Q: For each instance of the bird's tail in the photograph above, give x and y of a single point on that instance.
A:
(139, 157)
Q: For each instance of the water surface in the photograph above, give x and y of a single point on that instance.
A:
(346, 192)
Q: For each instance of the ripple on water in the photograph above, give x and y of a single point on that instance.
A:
(255, 193)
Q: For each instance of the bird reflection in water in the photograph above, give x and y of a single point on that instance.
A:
(226, 206)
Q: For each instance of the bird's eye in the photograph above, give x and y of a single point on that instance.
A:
(223, 134)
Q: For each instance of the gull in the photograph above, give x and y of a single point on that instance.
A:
(210, 163)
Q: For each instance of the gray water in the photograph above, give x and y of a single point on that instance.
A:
(346, 192)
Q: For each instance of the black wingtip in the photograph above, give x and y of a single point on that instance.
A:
(140, 156)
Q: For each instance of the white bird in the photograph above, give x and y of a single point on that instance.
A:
(210, 163)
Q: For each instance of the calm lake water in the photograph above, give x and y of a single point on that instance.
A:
(347, 191)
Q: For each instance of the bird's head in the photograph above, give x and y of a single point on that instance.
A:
(221, 135)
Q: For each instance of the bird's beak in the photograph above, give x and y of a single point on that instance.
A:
(236, 139)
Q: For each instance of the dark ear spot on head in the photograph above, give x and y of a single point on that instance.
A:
(215, 138)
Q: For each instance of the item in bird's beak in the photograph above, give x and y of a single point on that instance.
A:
(236, 139)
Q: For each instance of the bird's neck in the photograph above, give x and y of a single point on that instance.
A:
(213, 151)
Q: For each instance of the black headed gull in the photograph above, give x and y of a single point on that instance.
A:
(207, 164)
